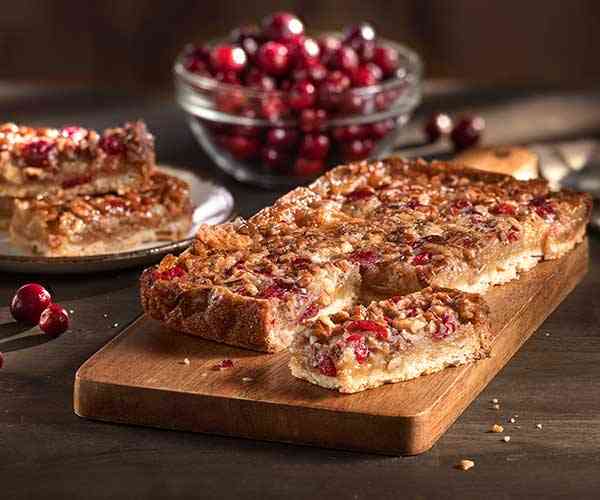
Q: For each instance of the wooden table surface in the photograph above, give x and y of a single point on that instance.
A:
(47, 452)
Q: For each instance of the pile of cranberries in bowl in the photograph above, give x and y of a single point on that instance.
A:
(275, 106)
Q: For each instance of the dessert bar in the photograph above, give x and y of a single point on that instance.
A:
(362, 232)
(102, 224)
(392, 340)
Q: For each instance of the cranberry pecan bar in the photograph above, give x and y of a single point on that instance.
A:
(392, 340)
(107, 223)
(362, 232)
(73, 160)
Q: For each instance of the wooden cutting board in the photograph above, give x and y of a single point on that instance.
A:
(140, 378)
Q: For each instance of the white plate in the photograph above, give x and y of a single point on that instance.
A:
(214, 204)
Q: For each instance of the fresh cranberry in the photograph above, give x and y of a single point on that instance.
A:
(422, 259)
(242, 147)
(379, 130)
(37, 153)
(354, 103)
(302, 95)
(202, 52)
(247, 130)
(329, 45)
(312, 119)
(438, 125)
(366, 75)
(366, 325)
(282, 26)
(344, 59)
(359, 343)
(503, 209)
(226, 57)
(360, 194)
(194, 65)
(112, 144)
(305, 167)
(306, 54)
(28, 303)
(387, 59)
(274, 158)
(282, 138)
(248, 38)
(315, 73)
(310, 312)
(350, 133)
(172, 273)
(272, 107)
(364, 257)
(467, 132)
(314, 146)
(229, 77)
(332, 88)
(273, 58)
(258, 80)
(362, 39)
(326, 365)
(223, 365)
(357, 150)
(54, 320)
(285, 84)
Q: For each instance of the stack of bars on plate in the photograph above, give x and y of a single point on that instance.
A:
(370, 275)
(74, 191)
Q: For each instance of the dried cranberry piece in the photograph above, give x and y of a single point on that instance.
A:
(513, 234)
(359, 343)
(76, 181)
(223, 364)
(422, 259)
(301, 263)
(366, 325)
(446, 327)
(360, 194)
(543, 208)
(310, 312)
(364, 257)
(503, 209)
(175, 272)
(37, 153)
(278, 290)
(326, 365)
(112, 144)
(73, 132)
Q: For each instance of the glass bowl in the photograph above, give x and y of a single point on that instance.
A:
(257, 138)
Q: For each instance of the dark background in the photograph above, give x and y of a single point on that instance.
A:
(132, 43)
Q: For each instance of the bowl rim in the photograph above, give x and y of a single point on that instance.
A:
(413, 75)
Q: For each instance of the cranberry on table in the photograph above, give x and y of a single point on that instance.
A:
(273, 58)
(282, 26)
(305, 167)
(54, 320)
(438, 125)
(467, 132)
(226, 57)
(28, 303)
(314, 146)
(302, 95)
(37, 153)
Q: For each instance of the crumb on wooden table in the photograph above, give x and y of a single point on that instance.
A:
(506, 439)
(465, 464)
(497, 428)
(539, 426)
